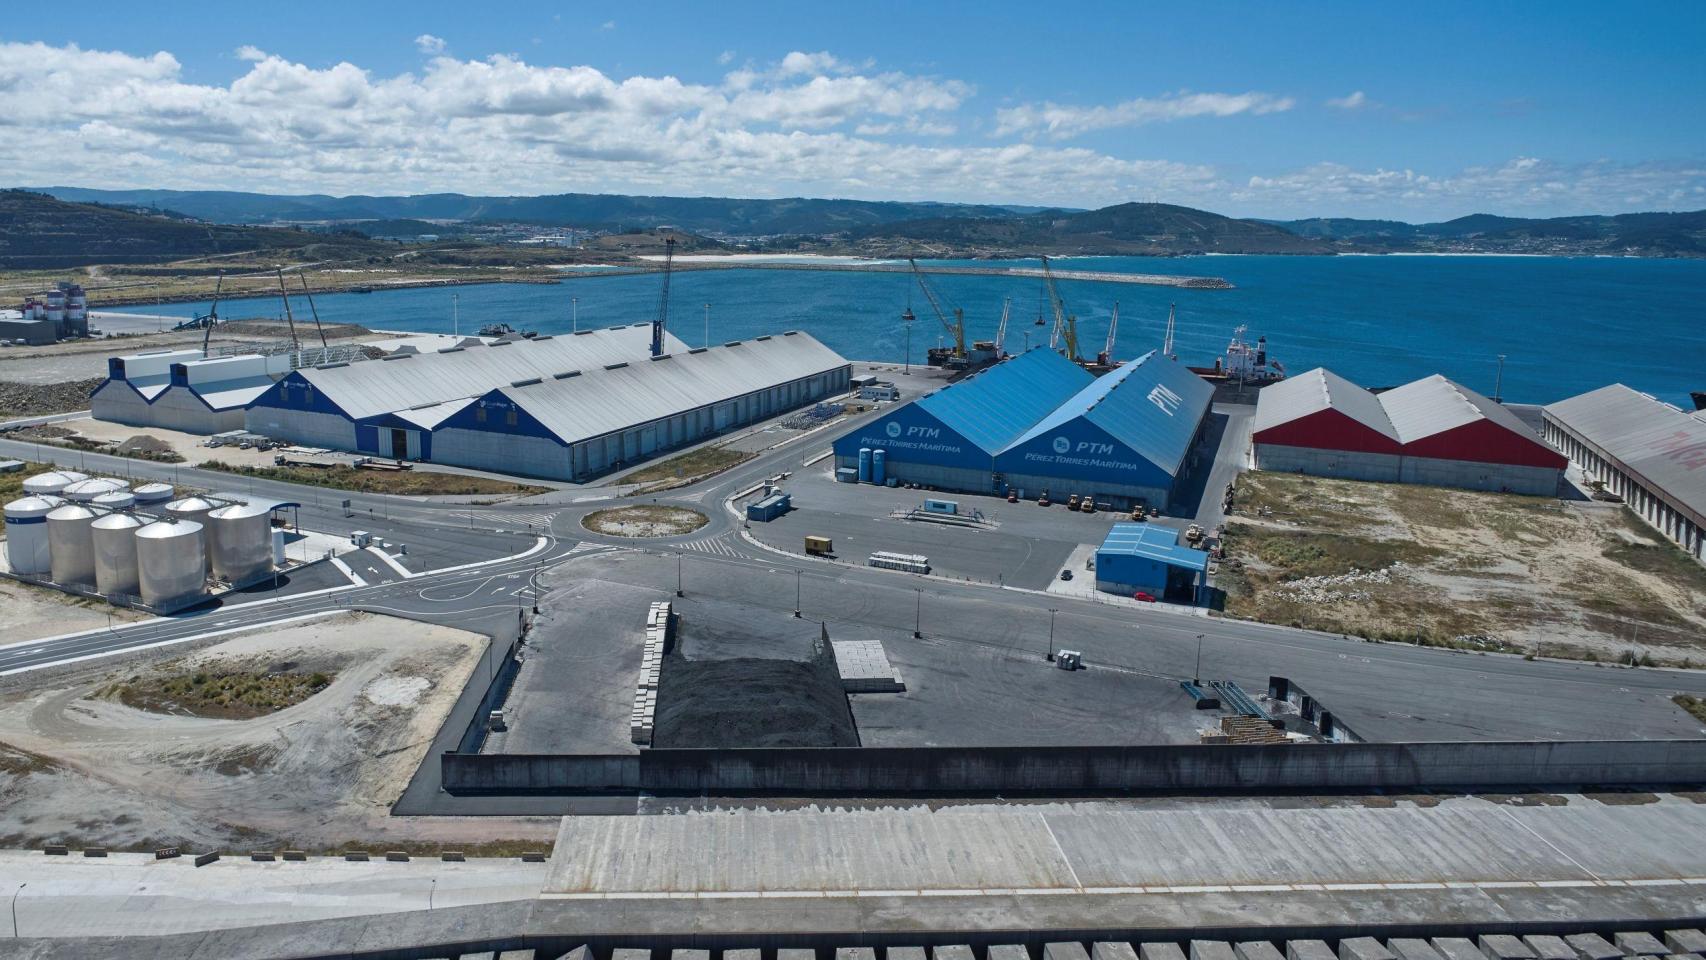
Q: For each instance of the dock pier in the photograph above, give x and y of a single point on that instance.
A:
(1149, 279)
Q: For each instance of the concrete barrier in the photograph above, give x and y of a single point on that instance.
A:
(1047, 770)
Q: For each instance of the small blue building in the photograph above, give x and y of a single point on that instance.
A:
(770, 507)
(1147, 557)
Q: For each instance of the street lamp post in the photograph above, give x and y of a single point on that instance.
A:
(796, 594)
(15, 893)
(1049, 653)
(1196, 675)
(678, 576)
(918, 616)
(707, 324)
(536, 588)
(574, 314)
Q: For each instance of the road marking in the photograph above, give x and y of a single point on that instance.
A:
(344, 569)
(391, 562)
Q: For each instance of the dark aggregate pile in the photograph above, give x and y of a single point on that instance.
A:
(37, 399)
(752, 702)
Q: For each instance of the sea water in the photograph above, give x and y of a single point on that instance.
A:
(1564, 325)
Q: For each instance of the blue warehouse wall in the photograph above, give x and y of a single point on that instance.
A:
(1081, 451)
(910, 434)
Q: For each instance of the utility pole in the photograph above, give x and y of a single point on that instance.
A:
(1499, 383)
(574, 314)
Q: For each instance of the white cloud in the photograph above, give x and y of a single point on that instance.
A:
(724, 58)
(250, 52)
(607, 25)
(427, 43)
(827, 128)
(1355, 100)
(1521, 186)
(1063, 121)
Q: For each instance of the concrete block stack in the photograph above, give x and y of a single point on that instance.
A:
(643, 719)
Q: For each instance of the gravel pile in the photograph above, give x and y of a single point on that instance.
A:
(37, 399)
(752, 702)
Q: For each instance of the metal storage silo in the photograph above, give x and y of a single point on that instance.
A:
(52, 482)
(879, 466)
(116, 568)
(71, 544)
(864, 464)
(172, 558)
(194, 509)
(26, 534)
(117, 500)
(153, 493)
(85, 490)
(239, 538)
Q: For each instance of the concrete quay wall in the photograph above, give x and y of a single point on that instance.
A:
(902, 771)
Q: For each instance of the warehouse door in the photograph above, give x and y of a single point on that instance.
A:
(399, 444)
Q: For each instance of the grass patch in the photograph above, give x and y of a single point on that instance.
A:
(702, 462)
(1657, 556)
(224, 696)
(1428, 507)
(1696, 706)
(1292, 554)
(418, 483)
(644, 521)
(18, 762)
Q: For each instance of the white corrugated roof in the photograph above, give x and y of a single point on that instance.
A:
(1320, 389)
(1434, 405)
(368, 388)
(602, 401)
(232, 394)
(1659, 443)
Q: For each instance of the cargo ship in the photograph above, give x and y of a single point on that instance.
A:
(1245, 365)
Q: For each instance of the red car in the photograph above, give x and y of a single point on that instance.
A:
(1145, 597)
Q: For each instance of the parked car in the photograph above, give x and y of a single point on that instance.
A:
(1066, 574)
(1145, 597)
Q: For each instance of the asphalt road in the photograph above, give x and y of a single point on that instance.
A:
(1381, 691)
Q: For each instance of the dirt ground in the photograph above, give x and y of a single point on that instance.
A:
(320, 775)
(1568, 578)
(29, 612)
(190, 446)
(647, 521)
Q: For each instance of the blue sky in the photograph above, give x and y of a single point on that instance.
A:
(1415, 111)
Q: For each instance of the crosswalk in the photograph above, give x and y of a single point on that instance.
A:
(491, 520)
(718, 545)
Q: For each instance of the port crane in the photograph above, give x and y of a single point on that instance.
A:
(954, 356)
(212, 319)
(663, 298)
(1106, 357)
(1065, 330)
(1167, 344)
(1001, 331)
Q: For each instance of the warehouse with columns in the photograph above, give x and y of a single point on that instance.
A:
(1650, 453)
(1431, 431)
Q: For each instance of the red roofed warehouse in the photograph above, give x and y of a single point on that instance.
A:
(1432, 431)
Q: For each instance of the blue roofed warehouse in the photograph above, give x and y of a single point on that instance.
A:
(949, 439)
(1147, 558)
(1123, 438)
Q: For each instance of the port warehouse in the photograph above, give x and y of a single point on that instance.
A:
(1648, 452)
(1148, 558)
(1040, 422)
(1431, 431)
(565, 407)
(183, 390)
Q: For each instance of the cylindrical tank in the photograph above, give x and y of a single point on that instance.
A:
(117, 500)
(85, 490)
(116, 570)
(278, 548)
(879, 469)
(26, 534)
(239, 540)
(171, 556)
(52, 482)
(864, 464)
(194, 509)
(72, 544)
(153, 493)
